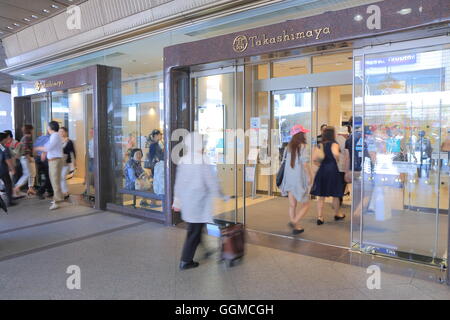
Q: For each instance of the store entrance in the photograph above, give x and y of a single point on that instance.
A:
(72, 109)
(246, 115)
(276, 112)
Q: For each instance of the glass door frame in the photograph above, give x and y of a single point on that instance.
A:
(234, 69)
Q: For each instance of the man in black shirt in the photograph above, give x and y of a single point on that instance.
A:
(6, 168)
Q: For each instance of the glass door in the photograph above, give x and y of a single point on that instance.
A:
(403, 178)
(270, 118)
(40, 108)
(216, 117)
(72, 109)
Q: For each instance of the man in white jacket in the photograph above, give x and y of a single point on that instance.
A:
(196, 186)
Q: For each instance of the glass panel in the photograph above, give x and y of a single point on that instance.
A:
(402, 131)
(141, 114)
(72, 109)
(60, 108)
(41, 115)
(215, 117)
(289, 68)
(356, 124)
(262, 71)
(332, 62)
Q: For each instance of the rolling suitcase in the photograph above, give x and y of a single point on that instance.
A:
(232, 243)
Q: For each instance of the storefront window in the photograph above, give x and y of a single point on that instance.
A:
(290, 68)
(404, 172)
(138, 123)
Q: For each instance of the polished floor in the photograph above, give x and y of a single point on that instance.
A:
(122, 257)
(409, 231)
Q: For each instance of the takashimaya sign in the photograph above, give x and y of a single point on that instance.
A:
(242, 42)
(39, 85)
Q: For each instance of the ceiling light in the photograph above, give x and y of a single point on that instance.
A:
(10, 28)
(35, 17)
(54, 6)
(358, 18)
(26, 19)
(46, 11)
(16, 24)
(405, 11)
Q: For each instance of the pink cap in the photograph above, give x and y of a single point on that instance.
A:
(298, 128)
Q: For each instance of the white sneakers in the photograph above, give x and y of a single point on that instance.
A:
(54, 206)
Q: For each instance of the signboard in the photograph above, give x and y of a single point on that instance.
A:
(391, 61)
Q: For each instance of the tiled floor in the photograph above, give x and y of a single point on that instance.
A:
(121, 257)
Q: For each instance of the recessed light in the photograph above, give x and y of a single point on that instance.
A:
(54, 6)
(405, 11)
(26, 19)
(35, 17)
(46, 11)
(358, 18)
(16, 24)
(10, 28)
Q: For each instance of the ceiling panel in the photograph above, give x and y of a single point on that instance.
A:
(15, 15)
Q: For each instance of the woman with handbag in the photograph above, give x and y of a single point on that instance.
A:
(328, 181)
(297, 178)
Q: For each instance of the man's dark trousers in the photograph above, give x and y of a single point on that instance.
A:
(8, 186)
(193, 239)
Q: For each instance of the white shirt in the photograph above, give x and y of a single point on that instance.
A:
(91, 148)
(54, 146)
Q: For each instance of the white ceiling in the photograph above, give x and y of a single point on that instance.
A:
(143, 57)
(16, 15)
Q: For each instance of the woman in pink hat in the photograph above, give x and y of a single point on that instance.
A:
(297, 178)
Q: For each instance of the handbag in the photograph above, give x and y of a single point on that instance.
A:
(280, 173)
(142, 183)
(318, 155)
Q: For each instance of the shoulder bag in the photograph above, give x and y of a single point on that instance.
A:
(280, 173)
(318, 155)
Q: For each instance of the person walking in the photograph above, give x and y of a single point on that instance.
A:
(68, 160)
(196, 186)
(155, 152)
(25, 154)
(297, 178)
(54, 154)
(42, 168)
(328, 182)
(6, 168)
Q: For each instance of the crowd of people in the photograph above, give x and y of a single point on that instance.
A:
(38, 166)
(332, 156)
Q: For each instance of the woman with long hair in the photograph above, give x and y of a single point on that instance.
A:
(25, 153)
(328, 182)
(297, 178)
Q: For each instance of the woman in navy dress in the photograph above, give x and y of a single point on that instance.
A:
(328, 182)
